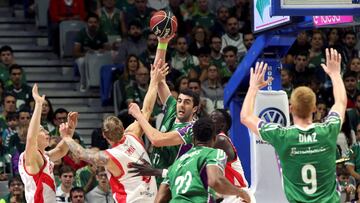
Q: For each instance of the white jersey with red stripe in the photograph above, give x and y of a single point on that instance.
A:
(40, 187)
(234, 171)
(126, 187)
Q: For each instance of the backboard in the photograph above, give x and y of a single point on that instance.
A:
(314, 7)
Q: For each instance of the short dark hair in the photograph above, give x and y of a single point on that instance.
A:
(66, 169)
(76, 189)
(60, 110)
(135, 23)
(15, 178)
(226, 118)
(230, 48)
(6, 48)
(302, 53)
(203, 129)
(195, 97)
(349, 74)
(92, 15)
(196, 80)
(8, 94)
(15, 67)
(214, 36)
(11, 116)
(349, 32)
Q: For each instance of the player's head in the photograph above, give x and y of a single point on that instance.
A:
(187, 105)
(204, 132)
(112, 129)
(222, 120)
(43, 138)
(302, 102)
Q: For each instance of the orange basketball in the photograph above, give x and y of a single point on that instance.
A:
(163, 23)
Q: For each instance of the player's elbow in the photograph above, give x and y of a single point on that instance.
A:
(215, 182)
(244, 119)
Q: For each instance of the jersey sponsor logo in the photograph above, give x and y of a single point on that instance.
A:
(273, 115)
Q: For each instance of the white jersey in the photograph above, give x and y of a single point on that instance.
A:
(126, 187)
(40, 187)
(234, 171)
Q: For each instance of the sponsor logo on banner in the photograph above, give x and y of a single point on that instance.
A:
(273, 115)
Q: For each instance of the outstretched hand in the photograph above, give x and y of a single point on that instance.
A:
(144, 169)
(159, 71)
(72, 121)
(333, 62)
(134, 110)
(167, 39)
(257, 76)
(36, 96)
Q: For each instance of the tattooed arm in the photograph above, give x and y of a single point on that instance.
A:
(88, 155)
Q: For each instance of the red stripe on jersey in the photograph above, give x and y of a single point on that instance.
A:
(40, 179)
(231, 174)
(117, 163)
(118, 190)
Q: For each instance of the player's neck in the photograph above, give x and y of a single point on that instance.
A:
(302, 122)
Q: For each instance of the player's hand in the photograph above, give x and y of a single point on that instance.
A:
(244, 195)
(72, 121)
(64, 130)
(36, 96)
(333, 62)
(144, 169)
(167, 39)
(257, 76)
(159, 72)
(134, 110)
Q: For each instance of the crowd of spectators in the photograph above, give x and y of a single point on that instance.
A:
(213, 37)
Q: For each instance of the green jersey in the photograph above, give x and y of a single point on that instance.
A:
(307, 156)
(187, 177)
(355, 157)
(163, 157)
(110, 24)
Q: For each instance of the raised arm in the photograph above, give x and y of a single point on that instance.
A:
(158, 73)
(163, 89)
(156, 137)
(257, 81)
(33, 158)
(220, 184)
(333, 69)
(62, 148)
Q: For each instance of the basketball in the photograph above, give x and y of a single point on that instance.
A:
(163, 24)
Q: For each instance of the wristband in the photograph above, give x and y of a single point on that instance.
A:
(164, 173)
(162, 46)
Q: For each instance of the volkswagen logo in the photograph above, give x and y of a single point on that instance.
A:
(273, 115)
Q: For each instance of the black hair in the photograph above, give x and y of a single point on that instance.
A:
(302, 53)
(60, 110)
(76, 189)
(15, 67)
(8, 94)
(230, 48)
(193, 95)
(6, 48)
(348, 74)
(135, 23)
(214, 36)
(11, 116)
(195, 80)
(15, 178)
(349, 32)
(226, 119)
(92, 15)
(203, 129)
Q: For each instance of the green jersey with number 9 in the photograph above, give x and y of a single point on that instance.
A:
(187, 177)
(307, 157)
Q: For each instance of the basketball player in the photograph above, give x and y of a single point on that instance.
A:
(126, 147)
(306, 150)
(199, 171)
(36, 165)
(233, 168)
